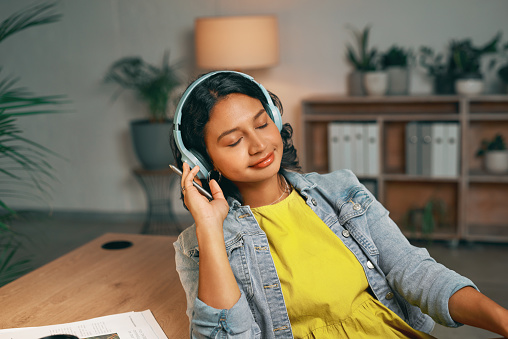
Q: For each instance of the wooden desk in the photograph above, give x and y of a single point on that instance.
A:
(91, 282)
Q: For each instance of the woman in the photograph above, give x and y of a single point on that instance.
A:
(278, 254)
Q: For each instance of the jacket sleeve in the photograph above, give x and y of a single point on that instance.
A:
(411, 271)
(206, 321)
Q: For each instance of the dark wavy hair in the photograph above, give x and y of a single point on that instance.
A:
(196, 113)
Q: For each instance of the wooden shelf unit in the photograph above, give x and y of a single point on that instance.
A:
(477, 201)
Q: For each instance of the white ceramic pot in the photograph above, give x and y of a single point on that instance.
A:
(496, 161)
(469, 86)
(375, 83)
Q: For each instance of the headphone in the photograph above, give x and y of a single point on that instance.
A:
(192, 157)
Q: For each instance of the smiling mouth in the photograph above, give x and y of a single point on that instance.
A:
(265, 161)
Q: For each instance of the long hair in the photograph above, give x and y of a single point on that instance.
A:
(196, 113)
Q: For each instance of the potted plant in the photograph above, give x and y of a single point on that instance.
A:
(155, 86)
(502, 72)
(25, 169)
(396, 63)
(438, 69)
(496, 156)
(365, 78)
(465, 63)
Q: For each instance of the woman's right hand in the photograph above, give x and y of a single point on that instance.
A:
(209, 213)
(217, 285)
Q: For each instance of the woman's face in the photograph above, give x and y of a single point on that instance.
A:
(242, 141)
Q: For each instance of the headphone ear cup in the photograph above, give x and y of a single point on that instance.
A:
(276, 117)
(204, 166)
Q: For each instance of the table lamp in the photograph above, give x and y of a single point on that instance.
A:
(236, 42)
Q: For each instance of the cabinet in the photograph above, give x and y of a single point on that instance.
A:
(476, 202)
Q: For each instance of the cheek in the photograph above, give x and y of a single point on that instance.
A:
(229, 160)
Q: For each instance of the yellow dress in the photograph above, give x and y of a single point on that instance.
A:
(324, 286)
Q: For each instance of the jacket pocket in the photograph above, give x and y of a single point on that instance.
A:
(235, 249)
(353, 217)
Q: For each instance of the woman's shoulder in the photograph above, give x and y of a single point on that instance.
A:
(340, 179)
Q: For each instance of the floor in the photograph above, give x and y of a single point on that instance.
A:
(50, 237)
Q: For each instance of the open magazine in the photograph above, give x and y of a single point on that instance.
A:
(118, 326)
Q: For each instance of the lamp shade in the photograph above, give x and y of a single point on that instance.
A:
(236, 43)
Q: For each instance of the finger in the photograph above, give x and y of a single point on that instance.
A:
(185, 173)
(187, 183)
(216, 190)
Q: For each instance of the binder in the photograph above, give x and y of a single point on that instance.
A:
(334, 149)
(371, 142)
(452, 149)
(346, 146)
(412, 145)
(426, 145)
(357, 148)
(438, 159)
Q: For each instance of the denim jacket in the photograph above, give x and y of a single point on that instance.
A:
(402, 277)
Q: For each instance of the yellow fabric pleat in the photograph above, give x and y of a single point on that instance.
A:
(324, 286)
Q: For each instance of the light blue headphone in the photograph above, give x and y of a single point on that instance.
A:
(193, 157)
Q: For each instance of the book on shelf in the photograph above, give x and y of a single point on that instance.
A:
(432, 149)
(354, 146)
(119, 326)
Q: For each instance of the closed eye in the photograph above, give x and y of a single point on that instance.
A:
(235, 143)
(263, 126)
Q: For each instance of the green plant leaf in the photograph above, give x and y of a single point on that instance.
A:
(36, 15)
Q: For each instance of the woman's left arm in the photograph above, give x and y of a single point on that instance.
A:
(470, 307)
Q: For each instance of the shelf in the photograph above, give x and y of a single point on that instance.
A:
(475, 200)
(418, 178)
(375, 117)
(488, 117)
(485, 177)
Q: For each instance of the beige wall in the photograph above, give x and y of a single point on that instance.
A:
(71, 56)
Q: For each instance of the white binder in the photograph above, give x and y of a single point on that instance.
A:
(371, 157)
(452, 149)
(334, 149)
(357, 148)
(346, 146)
(438, 160)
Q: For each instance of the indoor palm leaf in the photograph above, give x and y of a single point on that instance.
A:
(25, 172)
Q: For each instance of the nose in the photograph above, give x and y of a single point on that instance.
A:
(256, 144)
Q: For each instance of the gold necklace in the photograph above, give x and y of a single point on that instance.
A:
(287, 189)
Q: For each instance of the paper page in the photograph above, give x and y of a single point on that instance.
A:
(131, 325)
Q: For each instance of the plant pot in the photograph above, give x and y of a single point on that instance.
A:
(444, 84)
(151, 143)
(355, 83)
(398, 80)
(469, 86)
(496, 161)
(375, 83)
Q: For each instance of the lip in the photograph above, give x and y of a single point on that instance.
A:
(264, 162)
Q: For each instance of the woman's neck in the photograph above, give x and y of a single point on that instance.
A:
(266, 192)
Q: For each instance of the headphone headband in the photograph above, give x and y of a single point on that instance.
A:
(192, 157)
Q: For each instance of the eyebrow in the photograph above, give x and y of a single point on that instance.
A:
(229, 131)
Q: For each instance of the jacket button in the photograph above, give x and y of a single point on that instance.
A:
(357, 207)
(314, 202)
(345, 233)
(370, 265)
(389, 296)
